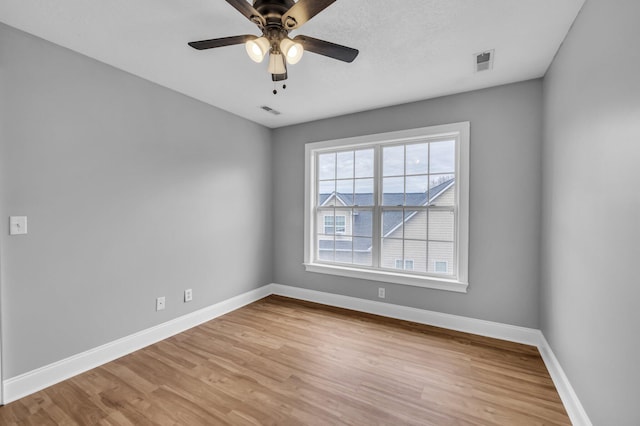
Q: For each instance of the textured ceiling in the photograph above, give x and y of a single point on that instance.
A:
(409, 50)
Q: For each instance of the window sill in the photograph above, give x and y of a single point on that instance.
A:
(389, 277)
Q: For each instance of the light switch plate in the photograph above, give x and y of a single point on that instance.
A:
(17, 225)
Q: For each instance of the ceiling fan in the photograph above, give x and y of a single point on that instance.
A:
(275, 18)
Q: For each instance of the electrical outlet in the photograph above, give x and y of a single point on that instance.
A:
(17, 225)
(188, 295)
(160, 303)
(381, 292)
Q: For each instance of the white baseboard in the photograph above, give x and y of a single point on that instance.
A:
(572, 404)
(43, 377)
(527, 336)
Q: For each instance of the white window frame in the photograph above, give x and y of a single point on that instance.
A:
(460, 133)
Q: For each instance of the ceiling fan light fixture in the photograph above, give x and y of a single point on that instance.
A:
(257, 48)
(292, 51)
(276, 64)
(275, 19)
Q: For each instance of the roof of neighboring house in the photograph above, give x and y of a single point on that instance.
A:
(358, 244)
(392, 219)
(391, 199)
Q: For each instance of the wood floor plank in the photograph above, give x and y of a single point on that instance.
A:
(281, 361)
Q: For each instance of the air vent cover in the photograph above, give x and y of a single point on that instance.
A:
(483, 61)
(270, 110)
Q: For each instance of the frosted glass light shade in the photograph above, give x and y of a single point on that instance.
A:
(292, 51)
(256, 49)
(276, 64)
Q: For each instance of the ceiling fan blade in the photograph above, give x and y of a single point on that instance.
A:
(248, 11)
(325, 48)
(303, 11)
(220, 42)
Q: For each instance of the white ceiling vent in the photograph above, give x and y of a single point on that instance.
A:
(483, 61)
(270, 110)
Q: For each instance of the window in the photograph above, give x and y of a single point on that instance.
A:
(441, 266)
(390, 207)
(340, 226)
(408, 264)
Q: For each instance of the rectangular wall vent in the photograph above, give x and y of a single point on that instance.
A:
(270, 110)
(483, 61)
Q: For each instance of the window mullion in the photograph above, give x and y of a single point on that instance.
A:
(376, 243)
(315, 254)
(404, 202)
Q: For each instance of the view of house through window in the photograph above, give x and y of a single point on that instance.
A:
(388, 206)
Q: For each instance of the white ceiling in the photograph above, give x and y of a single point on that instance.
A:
(409, 49)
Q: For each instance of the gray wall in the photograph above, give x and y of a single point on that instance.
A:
(506, 140)
(132, 192)
(591, 213)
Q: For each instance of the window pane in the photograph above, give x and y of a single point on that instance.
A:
(327, 166)
(441, 190)
(416, 252)
(416, 187)
(344, 250)
(345, 164)
(393, 160)
(393, 191)
(441, 252)
(417, 159)
(392, 224)
(364, 192)
(391, 251)
(344, 188)
(415, 224)
(325, 193)
(362, 251)
(442, 158)
(340, 224)
(362, 223)
(325, 249)
(364, 163)
(441, 225)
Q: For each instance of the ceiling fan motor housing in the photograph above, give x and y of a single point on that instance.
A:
(272, 10)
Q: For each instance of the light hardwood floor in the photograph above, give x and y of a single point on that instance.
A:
(281, 361)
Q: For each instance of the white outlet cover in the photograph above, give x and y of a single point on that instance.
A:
(188, 295)
(160, 303)
(17, 225)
